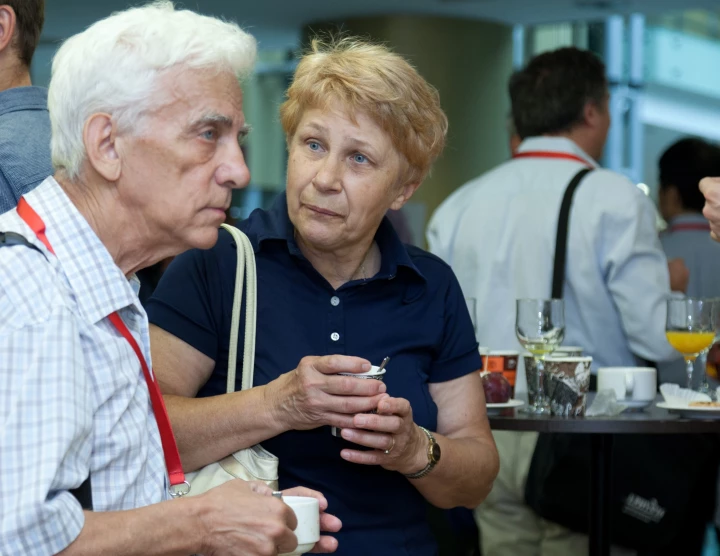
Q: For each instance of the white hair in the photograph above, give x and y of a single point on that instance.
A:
(114, 66)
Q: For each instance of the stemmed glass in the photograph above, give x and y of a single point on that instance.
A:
(540, 328)
(690, 329)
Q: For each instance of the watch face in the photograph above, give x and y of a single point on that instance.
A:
(435, 452)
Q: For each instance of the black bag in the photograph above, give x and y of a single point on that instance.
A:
(663, 486)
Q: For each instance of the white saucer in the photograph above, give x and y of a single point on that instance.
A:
(692, 412)
(636, 404)
(495, 408)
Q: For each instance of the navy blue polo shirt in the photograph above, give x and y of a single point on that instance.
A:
(413, 310)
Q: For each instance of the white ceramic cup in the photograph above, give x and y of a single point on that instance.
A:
(307, 511)
(375, 373)
(632, 385)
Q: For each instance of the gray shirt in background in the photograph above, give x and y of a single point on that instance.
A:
(24, 143)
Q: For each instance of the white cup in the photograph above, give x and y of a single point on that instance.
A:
(632, 385)
(307, 511)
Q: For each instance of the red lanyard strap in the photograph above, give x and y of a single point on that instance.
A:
(178, 485)
(553, 155)
(690, 227)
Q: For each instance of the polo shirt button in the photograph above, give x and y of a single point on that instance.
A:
(335, 301)
(334, 336)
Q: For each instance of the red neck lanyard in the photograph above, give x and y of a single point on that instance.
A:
(553, 155)
(178, 485)
(690, 227)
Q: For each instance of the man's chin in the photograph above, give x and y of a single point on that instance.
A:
(203, 239)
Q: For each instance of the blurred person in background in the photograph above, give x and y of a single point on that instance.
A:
(687, 237)
(24, 120)
(498, 233)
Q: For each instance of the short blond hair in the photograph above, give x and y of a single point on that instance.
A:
(369, 78)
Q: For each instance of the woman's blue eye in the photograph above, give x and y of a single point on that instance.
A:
(359, 158)
(314, 146)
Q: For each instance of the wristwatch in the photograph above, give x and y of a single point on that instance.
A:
(433, 454)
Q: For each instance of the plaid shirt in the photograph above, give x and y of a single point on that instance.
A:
(72, 394)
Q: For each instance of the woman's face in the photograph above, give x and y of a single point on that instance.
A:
(342, 178)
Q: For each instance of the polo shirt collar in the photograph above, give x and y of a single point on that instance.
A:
(556, 144)
(23, 98)
(275, 225)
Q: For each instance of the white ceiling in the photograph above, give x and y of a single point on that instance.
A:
(279, 17)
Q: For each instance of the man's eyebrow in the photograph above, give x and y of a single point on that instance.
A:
(213, 118)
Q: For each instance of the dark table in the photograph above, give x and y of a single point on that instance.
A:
(652, 420)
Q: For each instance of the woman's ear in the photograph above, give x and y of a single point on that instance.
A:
(406, 191)
(99, 136)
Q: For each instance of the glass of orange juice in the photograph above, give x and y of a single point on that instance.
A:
(690, 328)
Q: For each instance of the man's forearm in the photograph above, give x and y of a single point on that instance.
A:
(209, 429)
(165, 529)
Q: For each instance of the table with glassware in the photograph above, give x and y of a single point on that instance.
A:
(558, 380)
(653, 420)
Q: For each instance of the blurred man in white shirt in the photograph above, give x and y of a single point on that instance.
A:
(498, 233)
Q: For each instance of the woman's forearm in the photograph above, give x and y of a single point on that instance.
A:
(209, 429)
(463, 476)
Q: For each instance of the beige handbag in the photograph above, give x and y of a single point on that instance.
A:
(254, 463)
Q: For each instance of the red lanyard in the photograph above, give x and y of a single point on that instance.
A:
(554, 155)
(690, 227)
(178, 485)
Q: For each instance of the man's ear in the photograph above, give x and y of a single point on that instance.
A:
(406, 191)
(7, 26)
(100, 136)
(594, 113)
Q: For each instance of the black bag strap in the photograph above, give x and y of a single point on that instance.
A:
(83, 493)
(558, 280)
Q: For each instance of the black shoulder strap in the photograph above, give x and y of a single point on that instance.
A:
(9, 239)
(562, 233)
(83, 493)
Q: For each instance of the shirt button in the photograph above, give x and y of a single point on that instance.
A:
(334, 336)
(335, 301)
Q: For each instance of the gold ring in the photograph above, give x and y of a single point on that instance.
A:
(390, 449)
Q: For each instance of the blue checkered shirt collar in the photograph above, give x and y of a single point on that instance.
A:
(98, 283)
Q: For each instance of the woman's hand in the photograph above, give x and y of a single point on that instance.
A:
(328, 523)
(399, 443)
(313, 395)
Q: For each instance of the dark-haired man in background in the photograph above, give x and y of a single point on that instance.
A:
(681, 167)
(24, 120)
(498, 233)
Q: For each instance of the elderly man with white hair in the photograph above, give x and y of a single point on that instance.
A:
(147, 121)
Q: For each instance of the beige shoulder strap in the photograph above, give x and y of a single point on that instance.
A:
(246, 263)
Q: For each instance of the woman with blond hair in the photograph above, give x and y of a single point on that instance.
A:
(338, 291)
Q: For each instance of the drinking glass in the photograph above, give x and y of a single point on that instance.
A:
(690, 328)
(540, 328)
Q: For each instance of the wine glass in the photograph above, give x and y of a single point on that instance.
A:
(690, 328)
(540, 328)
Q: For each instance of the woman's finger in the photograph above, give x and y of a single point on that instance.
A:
(379, 441)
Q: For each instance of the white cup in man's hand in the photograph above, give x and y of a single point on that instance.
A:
(307, 511)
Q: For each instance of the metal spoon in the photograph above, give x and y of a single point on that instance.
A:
(382, 365)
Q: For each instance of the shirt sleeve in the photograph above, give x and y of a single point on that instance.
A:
(457, 353)
(187, 302)
(636, 272)
(45, 434)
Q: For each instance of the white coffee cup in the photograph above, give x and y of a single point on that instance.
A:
(307, 511)
(635, 386)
